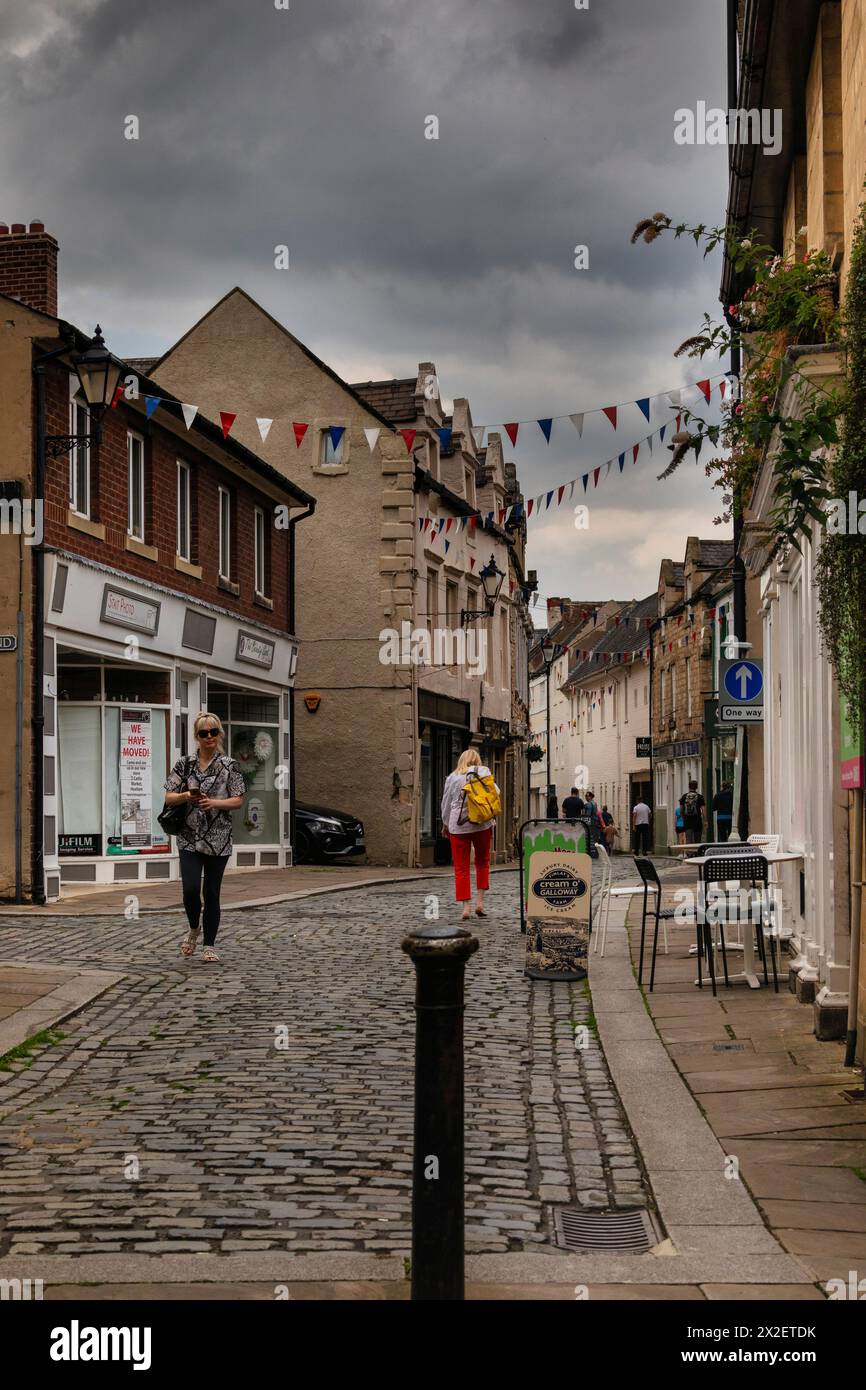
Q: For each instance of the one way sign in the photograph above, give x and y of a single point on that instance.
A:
(741, 692)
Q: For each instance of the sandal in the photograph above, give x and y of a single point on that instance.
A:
(209, 955)
(479, 912)
(189, 943)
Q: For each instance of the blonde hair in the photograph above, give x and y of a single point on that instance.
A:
(204, 714)
(470, 757)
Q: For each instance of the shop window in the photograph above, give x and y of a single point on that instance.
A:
(225, 533)
(260, 552)
(251, 722)
(135, 684)
(159, 753)
(426, 785)
(79, 757)
(79, 683)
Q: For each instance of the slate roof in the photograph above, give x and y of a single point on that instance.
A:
(714, 554)
(394, 399)
(631, 636)
(144, 365)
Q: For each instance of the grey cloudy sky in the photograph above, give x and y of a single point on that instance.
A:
(260, 127)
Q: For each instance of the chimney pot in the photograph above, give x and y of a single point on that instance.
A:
(28, 266)
(37, 226)
(18, 227)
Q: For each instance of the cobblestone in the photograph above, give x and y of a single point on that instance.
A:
(167, 1121)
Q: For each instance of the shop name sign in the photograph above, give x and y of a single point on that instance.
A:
(258, 651)
(642, 747)
(129, 610)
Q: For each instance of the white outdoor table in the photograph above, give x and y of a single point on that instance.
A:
(747, 946)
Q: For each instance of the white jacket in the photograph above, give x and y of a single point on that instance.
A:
(452, 804)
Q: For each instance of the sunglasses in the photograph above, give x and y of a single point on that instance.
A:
(208, 733)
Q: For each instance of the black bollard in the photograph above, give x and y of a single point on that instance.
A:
(439, 955)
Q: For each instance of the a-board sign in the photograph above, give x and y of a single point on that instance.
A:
(556, 894)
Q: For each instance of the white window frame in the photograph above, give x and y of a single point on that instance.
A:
(79, 423)
(224, 512)
(325, 444)
(259, 554)
(184, 532)
(131, 437)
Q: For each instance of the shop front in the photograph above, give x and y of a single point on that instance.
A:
(443, 727)
(128, 667)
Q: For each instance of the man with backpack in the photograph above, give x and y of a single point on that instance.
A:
(693, 806)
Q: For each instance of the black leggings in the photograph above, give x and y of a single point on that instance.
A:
(192, 867)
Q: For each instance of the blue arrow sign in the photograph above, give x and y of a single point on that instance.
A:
(743, 681)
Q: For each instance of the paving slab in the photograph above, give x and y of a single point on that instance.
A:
(747, 1293)
(789, 1183)
(815, 1216)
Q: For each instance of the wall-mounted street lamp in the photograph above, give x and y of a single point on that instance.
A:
(549, 652)
(98, 375)
(491, 579)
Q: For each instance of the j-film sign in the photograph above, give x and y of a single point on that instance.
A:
(741, 692)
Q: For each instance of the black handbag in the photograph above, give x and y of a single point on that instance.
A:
(173, 818)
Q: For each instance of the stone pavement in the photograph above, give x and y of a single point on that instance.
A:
(266, 1104)
(775, 1098)
(33, 998)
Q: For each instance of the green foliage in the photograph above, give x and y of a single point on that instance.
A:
(840, 570)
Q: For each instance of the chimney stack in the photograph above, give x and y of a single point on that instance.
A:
(28, 265)
(554, 612)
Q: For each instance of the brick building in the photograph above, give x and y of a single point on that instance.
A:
(166, 570)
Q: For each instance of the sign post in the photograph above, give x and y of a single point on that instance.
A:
(555, 898)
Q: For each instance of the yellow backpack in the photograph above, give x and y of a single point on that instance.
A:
(481, 799)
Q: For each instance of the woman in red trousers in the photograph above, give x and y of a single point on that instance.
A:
(464, 834)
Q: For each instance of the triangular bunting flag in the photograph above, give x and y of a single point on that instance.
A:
(511, 431)
(595, 476)
(723, 386)
(440, 523)
(585, 480)
(408, 439)
(644, 406)
(634, 453)
(571, 490)
(549, 498)
(662, 433)
(577, 421)
(559, 494)
(649, 440)
(621, 462)
(227, 419)
(610, 412)
(478, 435)
(449, 523)
(150, 404)
(607, 467)
(679, 423)
(444, 437)
(472, 562)
(189, 414)
(705, 389)
(336, 432)
(372, 438)
(447, 546)
(300, 431)
(530, 504)
(118, 392)
(545, 426)
(264, 426)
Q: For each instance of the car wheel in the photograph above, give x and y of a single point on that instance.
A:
(303, 848)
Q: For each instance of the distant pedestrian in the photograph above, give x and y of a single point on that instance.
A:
(723, 805)
(693, 806)
(591, 816)
(552, 807)
(212, 785)
(573, 805)
(679, 824)
(608, 828)
(641, 818)
(466, 833)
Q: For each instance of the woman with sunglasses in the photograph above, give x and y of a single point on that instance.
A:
(213, 786)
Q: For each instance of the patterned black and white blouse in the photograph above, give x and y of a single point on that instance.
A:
(207, 832)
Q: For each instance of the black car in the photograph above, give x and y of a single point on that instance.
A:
(323, 835)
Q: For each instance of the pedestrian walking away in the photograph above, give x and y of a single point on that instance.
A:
(608, 828)
(693, 806)
(679, 824)
(211, 785)
(470, 804)
(572, 806)
(592, 816)
(723, 805)
(641, 817)
(552, 808)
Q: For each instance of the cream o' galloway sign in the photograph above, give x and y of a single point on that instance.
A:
(557, 895)
(559, 887)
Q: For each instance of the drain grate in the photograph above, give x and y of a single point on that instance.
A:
(729, 1047)
(630, 1231)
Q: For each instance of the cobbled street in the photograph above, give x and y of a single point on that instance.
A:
(266, 1103)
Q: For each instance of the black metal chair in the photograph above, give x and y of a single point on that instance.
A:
(649, 876)
(743, 868)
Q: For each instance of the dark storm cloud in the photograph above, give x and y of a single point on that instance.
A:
(261, 127)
